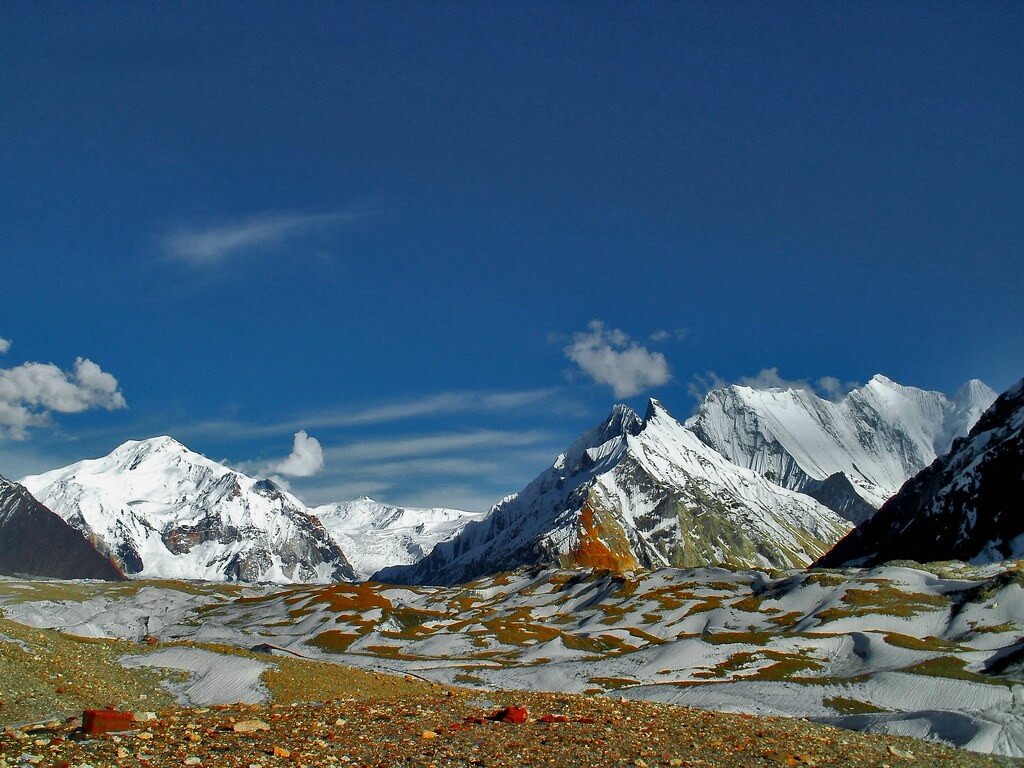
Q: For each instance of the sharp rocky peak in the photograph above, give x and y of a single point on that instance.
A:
(622, 420)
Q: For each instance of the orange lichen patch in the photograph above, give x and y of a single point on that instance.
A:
(601, 544)
(333, 641)
(343, 598)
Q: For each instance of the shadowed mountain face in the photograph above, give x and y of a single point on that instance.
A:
(36, 542)
(965, 506)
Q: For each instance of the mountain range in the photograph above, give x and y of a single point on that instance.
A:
(756, 478)
(636, 493)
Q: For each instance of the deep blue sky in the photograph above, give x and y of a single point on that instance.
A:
(369, 220)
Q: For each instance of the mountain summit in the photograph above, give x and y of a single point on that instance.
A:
(632, 493)
(162, 511)
(851, 454)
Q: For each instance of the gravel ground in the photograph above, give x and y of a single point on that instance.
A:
(448, 728)
(374, 719)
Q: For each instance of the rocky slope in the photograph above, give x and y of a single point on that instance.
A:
(36, 542)
(375, 535)
(965, 506)
(636, 493)
(851, 455)
(162, 511)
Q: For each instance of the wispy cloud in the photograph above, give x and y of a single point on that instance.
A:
(483, 464)
(5, 345)
(432, 445)
(202, 246)
(609, 356)
(369, 415)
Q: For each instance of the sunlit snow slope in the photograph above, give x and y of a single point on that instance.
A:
(851, 455)
(375, 535)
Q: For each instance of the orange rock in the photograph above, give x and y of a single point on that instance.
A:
(510, 715)
(104, 720)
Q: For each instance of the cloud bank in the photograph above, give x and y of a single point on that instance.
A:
(609, 356)
(306, 459)
(31, 392)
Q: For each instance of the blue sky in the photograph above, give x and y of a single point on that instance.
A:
(444, 238)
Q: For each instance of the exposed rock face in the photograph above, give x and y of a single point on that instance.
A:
(163, 511)
(876, 437)
(36, 542)
(965, 506)
(634, 493)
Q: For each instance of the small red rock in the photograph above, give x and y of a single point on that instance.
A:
(103, 720)
(510, 715)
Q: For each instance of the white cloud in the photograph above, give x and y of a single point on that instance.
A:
(609, 356)
(207, 246)
(5, 345)
(306, 459)
(30, 392)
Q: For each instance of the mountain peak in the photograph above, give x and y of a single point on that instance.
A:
(975, 391)
(654, 409)
(622, 420)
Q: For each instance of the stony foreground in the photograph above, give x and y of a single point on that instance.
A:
(448, 728)
(375, 719)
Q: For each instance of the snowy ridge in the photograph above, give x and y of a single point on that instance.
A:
(375, 535)
(877, 436)
(163, 511)
(965, 506)
(634, 493)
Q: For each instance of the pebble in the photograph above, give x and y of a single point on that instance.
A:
(249, 726)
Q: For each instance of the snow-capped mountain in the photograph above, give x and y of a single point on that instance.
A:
(965, 506)
(636, 493)
(851, 455)
(376, 535)
(162, 511)
(36, 542)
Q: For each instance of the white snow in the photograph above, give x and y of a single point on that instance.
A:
(215, 678)
(375, 535)
(879, 435)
